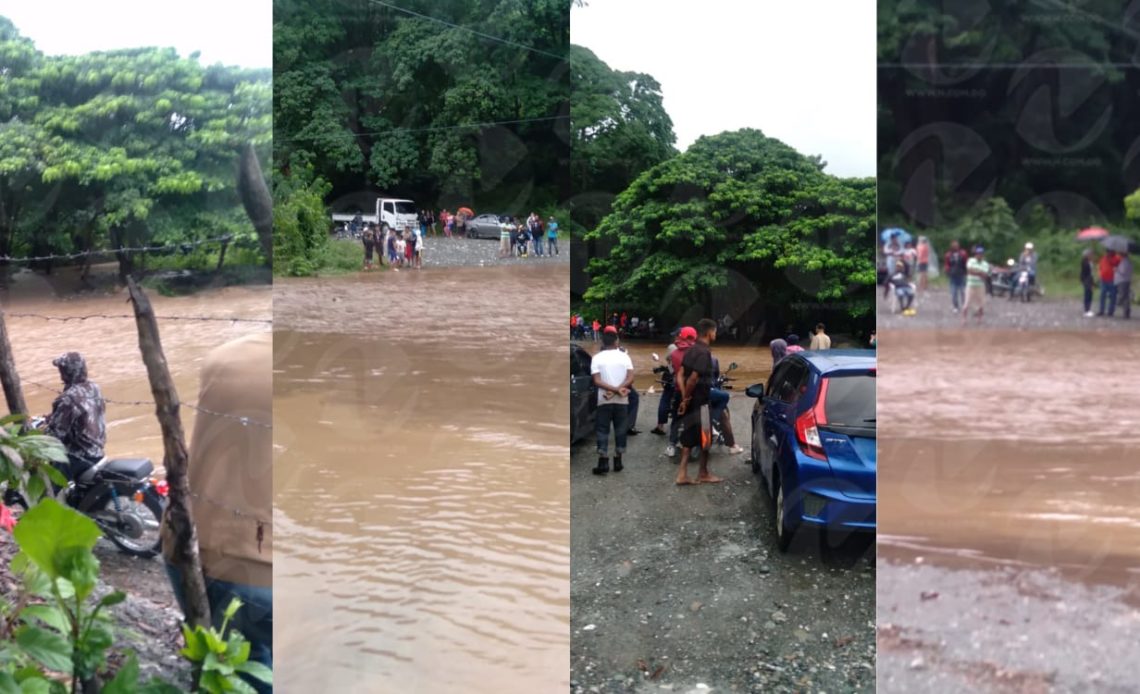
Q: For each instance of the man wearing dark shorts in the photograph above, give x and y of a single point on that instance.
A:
(694, 384)
(369, 239)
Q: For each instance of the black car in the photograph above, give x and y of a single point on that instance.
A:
(583, 394)
(485, 226)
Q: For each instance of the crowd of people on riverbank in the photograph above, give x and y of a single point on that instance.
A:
(906, 269)
(523, 239)
(402, 249)
(693, 410)
(625, 325)
(691, 401)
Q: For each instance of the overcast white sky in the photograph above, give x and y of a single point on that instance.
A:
(802, 72)
(233, 32)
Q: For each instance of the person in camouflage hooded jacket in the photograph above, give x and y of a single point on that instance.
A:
(78, 415)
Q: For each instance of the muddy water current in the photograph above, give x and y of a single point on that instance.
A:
(422, 509)
(1012, 448)
(110, 346)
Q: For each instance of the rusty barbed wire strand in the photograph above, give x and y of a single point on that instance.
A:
(183, 246)
(246, 421)
(64, 319)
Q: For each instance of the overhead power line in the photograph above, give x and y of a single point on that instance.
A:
(489, 37)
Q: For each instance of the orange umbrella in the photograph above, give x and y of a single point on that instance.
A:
(466, 212)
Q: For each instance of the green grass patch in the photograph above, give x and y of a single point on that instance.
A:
(340, 257)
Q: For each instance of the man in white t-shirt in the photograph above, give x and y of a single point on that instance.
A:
(612, 370)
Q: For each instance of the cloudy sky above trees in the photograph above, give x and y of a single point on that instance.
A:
(232, 32)
(802, 72)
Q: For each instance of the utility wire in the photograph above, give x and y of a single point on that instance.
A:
(480, 34)
(433, 128)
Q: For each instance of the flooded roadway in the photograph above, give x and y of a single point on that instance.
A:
(110, 346)
(1012, 447)
(1009, 536)
(422, 494)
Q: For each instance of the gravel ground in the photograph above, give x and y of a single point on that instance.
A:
(939, 631)
(449, 252)
(682, 588)
(148, 620)
(935, 310)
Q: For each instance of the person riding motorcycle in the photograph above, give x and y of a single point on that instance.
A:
(1028, 261)
(78, 416)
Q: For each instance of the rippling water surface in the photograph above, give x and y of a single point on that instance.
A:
(111, 348)
(422, 495)
(1018, 448)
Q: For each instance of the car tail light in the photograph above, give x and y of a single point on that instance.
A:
(162, 487)
(138, 496)
(808, 423)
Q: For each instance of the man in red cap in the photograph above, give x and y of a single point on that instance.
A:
(612, 372)
(685, 339)
(695, 384)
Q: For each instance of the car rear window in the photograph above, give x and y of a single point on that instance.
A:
(850, 400)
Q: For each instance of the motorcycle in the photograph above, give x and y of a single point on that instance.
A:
(721, 382)
(1015, 282)
(120, 496)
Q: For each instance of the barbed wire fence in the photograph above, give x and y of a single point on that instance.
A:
(184, 246)
(134, 250)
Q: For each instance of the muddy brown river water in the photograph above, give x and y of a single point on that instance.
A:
(1009, 448)
(110, 346)
(422, 493)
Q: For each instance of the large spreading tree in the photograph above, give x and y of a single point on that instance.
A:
(620, 129)
(122, 148)
(734, 207)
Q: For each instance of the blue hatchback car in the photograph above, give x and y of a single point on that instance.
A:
(813, 441)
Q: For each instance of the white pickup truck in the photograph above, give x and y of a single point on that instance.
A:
(391, 213)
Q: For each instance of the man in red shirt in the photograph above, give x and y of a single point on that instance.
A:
(1107, 269)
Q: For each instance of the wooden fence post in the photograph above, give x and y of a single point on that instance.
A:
(8, 375)
(179, 514)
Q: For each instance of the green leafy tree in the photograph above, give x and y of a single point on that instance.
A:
(1132, 206)
(620, 129)
(1021, 128)
(738, 204)
(123, 148)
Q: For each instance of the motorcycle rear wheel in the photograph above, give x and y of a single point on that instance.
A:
(145, 516)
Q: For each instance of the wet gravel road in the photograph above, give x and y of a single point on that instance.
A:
(682, 588)
(441, 251)
(935, 310)
(1001, 630)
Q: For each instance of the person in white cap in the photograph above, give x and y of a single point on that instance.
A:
(1028, 261)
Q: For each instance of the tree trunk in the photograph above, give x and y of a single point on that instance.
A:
(8, 375)
(256, 199)
(179, 515)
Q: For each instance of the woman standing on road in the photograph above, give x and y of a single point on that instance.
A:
(779, 351)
